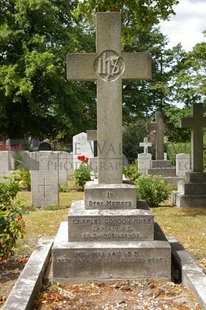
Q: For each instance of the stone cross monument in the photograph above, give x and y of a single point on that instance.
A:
(145, 145)
(196, 122)
(191, 192)
(107, 237)
(108, 67)
(160, 127)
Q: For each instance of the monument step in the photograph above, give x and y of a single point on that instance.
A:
(192, 188)
(172, 180)
(196, 177)
(189, 201)
(79, 262)
(165, 172)
(109, 225)
(110, 196)
(161, 164)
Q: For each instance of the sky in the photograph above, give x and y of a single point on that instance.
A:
(187, 25)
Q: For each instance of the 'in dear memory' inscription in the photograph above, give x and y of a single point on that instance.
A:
(110, 201)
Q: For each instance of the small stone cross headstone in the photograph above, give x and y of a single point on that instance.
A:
(160, 127)
(196, 123)
(145, 145)
(109, 66)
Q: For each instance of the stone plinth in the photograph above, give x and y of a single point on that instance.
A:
(160, 164)
(110, 196)
(109, 225)
(192, 191)
(78, 262)
(101, 245)
(163, 168)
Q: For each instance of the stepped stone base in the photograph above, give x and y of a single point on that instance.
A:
(189, 201)
(192, 192)
(165, 172)
(160, 164)
(172, 180)
(78, 262)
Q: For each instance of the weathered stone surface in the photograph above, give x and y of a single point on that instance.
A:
(196, 123)
(145, 145)
(77, 262)
(6, 164)
(92, 135)
(164, 172)
(110, 196)
(109, 225)
(192, 191)
(196, 177)
(81, 146)
(192, 275)
(160, 127)
(108, 66)
(191, 188)
(45, 179)
(190, 201)
(161, 164)
(144, 163)
(30, 280)
(182, 164)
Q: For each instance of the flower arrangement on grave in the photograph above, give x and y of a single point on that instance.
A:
(82, 174)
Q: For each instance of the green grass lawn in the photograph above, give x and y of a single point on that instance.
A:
(188, 226)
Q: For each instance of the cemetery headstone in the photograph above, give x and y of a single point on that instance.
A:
(107, 237)
(6, 164)
(65, 167)
(144, 162)
(45, 178)
(191, 191)
(45, 146)
(182, 164)
(81, 146)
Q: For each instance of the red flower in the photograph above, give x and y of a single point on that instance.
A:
(83, 158)
(19, 217)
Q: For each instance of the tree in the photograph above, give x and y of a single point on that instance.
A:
(189, 82)
(141, 14)
(36, 98)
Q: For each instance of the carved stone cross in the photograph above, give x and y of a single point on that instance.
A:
(145, 145)
(196, 123)
(159, 127)
(108, 67)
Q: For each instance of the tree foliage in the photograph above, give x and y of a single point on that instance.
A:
(35, 37)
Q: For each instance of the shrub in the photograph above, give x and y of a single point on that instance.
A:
(131, 171)
(152, 189)
(82, 174)
(23, 177)
(11, 221)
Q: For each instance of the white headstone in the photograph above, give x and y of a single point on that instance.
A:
(65, 167)
(182, 164)
(6, 164)
(81, 146)
(45, 178)
(144, 162)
